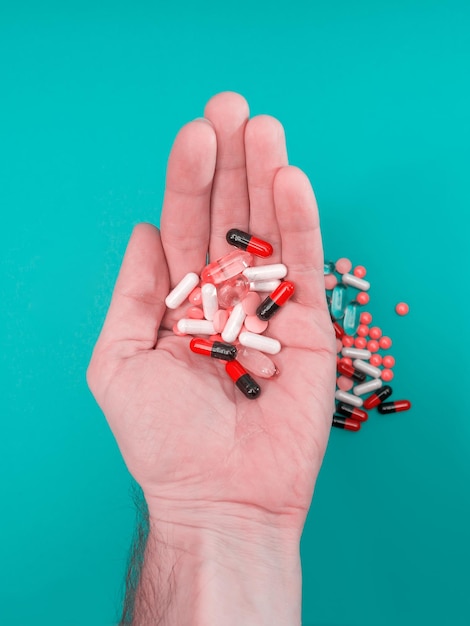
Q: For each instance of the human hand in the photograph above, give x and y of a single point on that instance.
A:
(189, 437)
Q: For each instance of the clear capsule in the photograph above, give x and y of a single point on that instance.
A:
(226, 267)
(256, 362)
(351, 320)
(338, 301)
(328, 268)
(232, 291)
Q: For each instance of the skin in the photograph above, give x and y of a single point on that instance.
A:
(212, 463)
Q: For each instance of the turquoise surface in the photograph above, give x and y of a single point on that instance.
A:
(375, 101)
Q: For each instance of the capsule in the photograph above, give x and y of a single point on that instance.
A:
(264, 285)
(338, 301)
(258, 273)
(340, 421)
(352, 411)
(234, 323)
(348, 398)
(232, 291)
(276, 299)
(370, 385)
(394, 407)
(189, 326)
(351, 318)
(182, 290)
(328, 268)
(376, 398)
(242, 379)
(355, 281)
(226, 267)
(214, 349)
(356, 353)
(351, 372)
(247, 242)
(257, 362)
(209, 300)
(259, 342)
(367, 368)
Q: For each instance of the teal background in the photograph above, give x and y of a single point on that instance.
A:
(374, 98)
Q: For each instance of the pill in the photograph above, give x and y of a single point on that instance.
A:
(351, 371)
(195, 297)
(360, 342)
(355, 281)
(355, 353)
(214, 349)
(379, 396)
(402, 308)
(387, 375)
(251, 302)
(234, 324)
(394, 407)
(385, 343)
(210, 302)
(352, 411)
(388, 361)
(242, 379)
(245, 241)
(348, 341)
(375, 360)
(343, 265)
(226, 267)
(220, 319)
(256, 362)
(265, 272)
(195, 327)
(339, 331)
(182, 290)
(351, 318)
(348, 398)
(363, 298)
(341, 421)
(338, 301)
(362, 329)
(276, 299)
(367, 368)
(264, 285)
(330, 282)
(370, 385)
(232, 291)
(375, 332)
(328, 267)
(344, 383)
(254, 325)
(195, 313)
(366, 318)
(360, 271)
(260, 342)
(373, 345)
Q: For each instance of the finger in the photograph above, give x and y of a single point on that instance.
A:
(266, 152)
(138, 301)
(302, 251)
(185, 220)
(228, 113)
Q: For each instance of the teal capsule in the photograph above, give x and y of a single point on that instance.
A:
(352, 316)
(328, 267)
(338, 301)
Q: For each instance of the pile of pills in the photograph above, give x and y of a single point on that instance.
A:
(361, 369)
(226, 306)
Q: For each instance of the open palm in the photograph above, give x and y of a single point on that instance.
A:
(188, 435)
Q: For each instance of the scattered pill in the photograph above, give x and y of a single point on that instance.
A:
(360, 271)
(351, 318)
(375, 360)
(343, 265)
(402, 308)
(394, 407)
(373, 345)
(363, 297)
(352, 411)
(385, 343)
(347, 341)
(248, 242)
(330, 282)
(379, 396)
(348, 398)
(362, 329)
(360, 342)
(366, 318)
(375, 332)
(354, 281)
(387, 375)
(339, 331)
(366, 368)
(354, 353)
(341, 421)
(351, 372)
(328, 267)
(344, 383)
(338, 301)
(370, 385)
(388, 361)
(182, 290)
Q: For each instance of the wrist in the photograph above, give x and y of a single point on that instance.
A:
(225, 567)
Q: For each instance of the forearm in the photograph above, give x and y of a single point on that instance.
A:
(206, 571)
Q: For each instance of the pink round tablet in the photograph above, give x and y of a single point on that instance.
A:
(344, 383)
(360, 342)
(339, 345)
(402, 308)
(387, 375)
(375, 332)
(366, 318)
(346, 360)
(375, 360)
(362, 330)
(348, 341)
(251, 302)
(195, 313)
(360, 271)
(177, 331)
(330, 281)
(195, 297)
(388, 361)
(343, 265)
(373, 345)
(362, 297)
(385, 342)
(220, 319)
(254, 325)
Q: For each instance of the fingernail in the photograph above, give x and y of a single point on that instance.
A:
(202, 119)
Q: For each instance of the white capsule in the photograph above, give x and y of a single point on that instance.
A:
(355, 281)
(367, 368)
(195, 327)
(210, 303)
(367, 387)
(355, 353)
(348, 398)
(260, 342)
(265, 272)
(234, 323)
(264, 285)
(182, 290)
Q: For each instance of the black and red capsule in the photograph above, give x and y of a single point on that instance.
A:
(214, 349)
(276, 299)
(245, 241)
(242, 379)
(351, 372)
(352, 411)
(377, 397)
(394, 407)
(341, 421)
